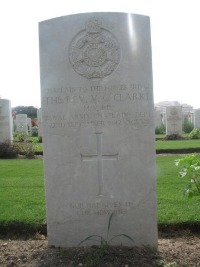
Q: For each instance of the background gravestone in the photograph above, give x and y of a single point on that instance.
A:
(98, 128)
(5, 121)
(158, 118)
(21, 123)
(197, 119)
(174, 120)
(29, 124)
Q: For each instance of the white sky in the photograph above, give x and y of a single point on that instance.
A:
(175, 34)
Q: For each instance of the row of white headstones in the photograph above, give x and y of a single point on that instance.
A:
(20, 124)
(173, 120)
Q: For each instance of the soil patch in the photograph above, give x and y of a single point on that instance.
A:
(174, 248)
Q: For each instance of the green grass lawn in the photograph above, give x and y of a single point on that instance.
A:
(22, 193)
(177, 144)
(173, 206)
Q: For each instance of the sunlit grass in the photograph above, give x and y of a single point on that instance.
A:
(173, 206)
(22, 193)
(177, 144)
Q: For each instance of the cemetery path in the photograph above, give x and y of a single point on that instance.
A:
(182, 249)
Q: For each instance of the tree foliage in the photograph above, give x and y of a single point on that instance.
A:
(29, 110)
(187, 125)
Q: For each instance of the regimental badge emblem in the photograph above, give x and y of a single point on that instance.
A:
(94, 52)
(174, 111)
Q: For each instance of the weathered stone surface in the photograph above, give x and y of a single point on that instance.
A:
(98, 128)
(197, 119)
(5, 121)
(158, 118)
(39, 121)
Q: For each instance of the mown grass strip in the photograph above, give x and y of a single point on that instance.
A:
(22, 197)
(173, 206)
(177, 144)
(22, 191)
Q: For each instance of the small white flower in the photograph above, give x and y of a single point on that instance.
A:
(177, 161)
(196, 168)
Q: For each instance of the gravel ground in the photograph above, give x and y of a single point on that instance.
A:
(182, 249)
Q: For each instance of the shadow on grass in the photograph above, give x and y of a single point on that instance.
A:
(21, 230)
(178, 151)
(179, 229)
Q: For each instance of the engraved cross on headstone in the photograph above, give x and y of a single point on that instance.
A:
(99, 157)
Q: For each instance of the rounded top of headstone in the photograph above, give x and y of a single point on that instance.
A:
(93, 25)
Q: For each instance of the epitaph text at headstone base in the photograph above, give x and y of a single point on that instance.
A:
(197, 119)
(98, 128)
(174, 120)
(5, 121)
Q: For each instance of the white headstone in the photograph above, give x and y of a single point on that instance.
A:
(157, 118)
(22, 123)
(163, 117)
(197, 119)
(98, 128)
(5, 121)
(174, 120)
(29, 124)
